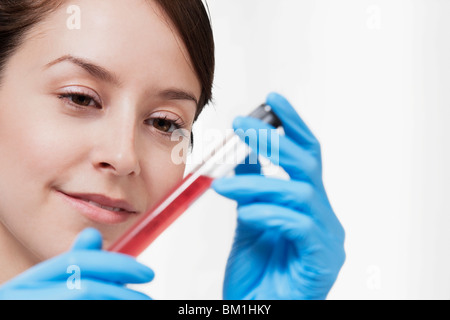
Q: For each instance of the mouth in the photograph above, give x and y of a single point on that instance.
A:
(100, 208)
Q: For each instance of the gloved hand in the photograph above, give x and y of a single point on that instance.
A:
(103, 275)
(288, 243)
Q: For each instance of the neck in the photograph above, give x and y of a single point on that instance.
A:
(14, 257)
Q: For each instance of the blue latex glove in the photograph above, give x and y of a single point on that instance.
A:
(288, 242)
(103, 275)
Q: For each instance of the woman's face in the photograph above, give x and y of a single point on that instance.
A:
(86, 117)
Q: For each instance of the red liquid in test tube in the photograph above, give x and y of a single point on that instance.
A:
(143, 233)
(153, 223)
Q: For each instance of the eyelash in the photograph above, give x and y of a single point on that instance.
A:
(177, 124)
(69, 95)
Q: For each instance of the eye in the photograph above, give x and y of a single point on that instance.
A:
(78, 98)
(82, 100)
(164, 125)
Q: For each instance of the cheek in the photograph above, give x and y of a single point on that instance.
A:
(32, 146)
(162, 175)
(33, 153)
(31, 156)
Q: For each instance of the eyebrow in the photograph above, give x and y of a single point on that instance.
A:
(177, 94)
(93, 69)
(108, 76)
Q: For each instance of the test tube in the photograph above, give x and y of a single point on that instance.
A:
(136, 239)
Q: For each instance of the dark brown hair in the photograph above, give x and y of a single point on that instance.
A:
(189, 17)
(193, 24)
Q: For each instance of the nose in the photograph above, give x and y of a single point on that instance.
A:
(115, 152)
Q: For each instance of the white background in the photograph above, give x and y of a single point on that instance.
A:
(372, 80)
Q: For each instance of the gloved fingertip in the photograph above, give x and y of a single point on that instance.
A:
(150, 274)
(146, 274)
(225, 186)
(275, 98)
(88, 239)
(238, 122)
(218, 184)
(272, 95)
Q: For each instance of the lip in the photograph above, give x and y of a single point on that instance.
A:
(100, 208)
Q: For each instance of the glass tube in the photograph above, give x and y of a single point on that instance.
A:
(136, 239)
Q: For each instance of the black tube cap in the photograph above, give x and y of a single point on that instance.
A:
(264, 112)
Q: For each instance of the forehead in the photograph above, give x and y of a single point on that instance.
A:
(134, 38)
